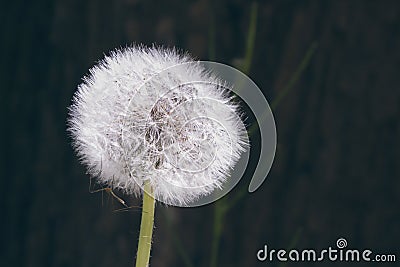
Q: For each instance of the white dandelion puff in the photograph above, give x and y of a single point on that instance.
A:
(152, 115)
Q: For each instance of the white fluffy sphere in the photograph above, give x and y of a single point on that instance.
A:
(150, 114)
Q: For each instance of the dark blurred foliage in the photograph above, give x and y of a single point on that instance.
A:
(336, 171)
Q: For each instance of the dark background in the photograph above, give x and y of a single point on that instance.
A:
(336, 171)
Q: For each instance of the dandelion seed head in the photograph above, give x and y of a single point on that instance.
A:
(152, 114)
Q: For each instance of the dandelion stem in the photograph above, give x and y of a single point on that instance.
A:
(146, 227)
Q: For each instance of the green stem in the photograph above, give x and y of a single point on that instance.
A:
(211, 34)
(177, 241)
(251, 38)
(221, 206)
(146, 227)
(219, 215)
(292, 81)
(295, 77)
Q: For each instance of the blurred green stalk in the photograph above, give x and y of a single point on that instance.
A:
(221, 206)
